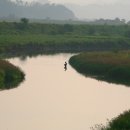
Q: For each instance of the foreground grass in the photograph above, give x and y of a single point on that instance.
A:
(122, 122)
(10, 75)
(109, 66)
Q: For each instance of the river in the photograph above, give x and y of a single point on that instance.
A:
(53, 99)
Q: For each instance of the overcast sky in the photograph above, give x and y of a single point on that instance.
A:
(85, 2)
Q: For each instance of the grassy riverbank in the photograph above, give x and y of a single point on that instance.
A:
(35, 38)
(109, 66)
(38, 44)
(10, 75)
(121, 122)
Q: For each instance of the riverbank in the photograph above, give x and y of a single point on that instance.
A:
(121, 122)
(40, 44)
(34, 38)
(112, 67)
(10, 75)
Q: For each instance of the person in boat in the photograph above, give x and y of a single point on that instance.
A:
(65, 66)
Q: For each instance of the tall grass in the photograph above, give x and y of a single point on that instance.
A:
(10, 75)
(109, 66)
(62, 38)
(60, 43)
(121, 122)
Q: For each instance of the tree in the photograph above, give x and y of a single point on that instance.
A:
(24, 21)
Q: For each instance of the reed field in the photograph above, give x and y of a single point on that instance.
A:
(109, 66)
(62, 38)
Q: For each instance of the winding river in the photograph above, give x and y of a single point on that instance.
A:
(53, 99)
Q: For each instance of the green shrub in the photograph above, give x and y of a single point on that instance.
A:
(10, 75)
(108, 66)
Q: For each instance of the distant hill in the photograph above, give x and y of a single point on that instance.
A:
(104, 11)
(35, 10)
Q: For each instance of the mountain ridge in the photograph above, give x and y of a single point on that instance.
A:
(19, 9)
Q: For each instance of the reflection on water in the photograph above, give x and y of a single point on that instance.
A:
(54, 99)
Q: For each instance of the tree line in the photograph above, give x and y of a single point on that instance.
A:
(25, 27)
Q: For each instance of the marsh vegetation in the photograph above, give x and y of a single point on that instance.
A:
(112, 67)
(35, 38)
(109, 66)
(10, 75)
(121, 122)
(26, 38)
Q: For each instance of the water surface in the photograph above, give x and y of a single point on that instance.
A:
(53, 99)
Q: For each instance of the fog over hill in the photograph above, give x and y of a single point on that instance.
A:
(105, 11)
(35, 10)
(67, 9)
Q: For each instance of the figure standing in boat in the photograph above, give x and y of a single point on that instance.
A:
(65, 66)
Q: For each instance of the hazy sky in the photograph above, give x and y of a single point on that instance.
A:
(95, 9)
(83, 2)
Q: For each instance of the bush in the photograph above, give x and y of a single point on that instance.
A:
(10, 75)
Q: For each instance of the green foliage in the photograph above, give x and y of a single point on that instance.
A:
(120, 72)
(27, 43)
(24, 24)
(121, 122)
(2, 78)
(37, 28)
(24, 21)
(24, 36)
(10, 76)
(108, 66)
(36, 37)
(127, 33)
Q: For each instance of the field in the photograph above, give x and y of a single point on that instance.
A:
(34, 38)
